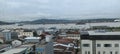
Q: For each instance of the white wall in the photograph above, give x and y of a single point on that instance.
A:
(108, 49)
(101, 49)
(84, 49)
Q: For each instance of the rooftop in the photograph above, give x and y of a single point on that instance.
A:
(103, 33)
(6, 31)
(3, 46)
(25, 45)
(73, 32)
(32, 38)
(15, 50)
(92, 35)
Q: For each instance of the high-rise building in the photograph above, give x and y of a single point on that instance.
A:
(100, 43)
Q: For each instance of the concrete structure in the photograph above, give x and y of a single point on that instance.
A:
(27, 33)
(73, 35)
(2, 39)
(23, 49)
(4, 47)
(39, 31)
(45, 46)
(16, 43)
(9, 35)
(62, 35)
(16, 51)
(100, 43)
(32, 39)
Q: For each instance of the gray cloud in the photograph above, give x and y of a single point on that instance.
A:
(34, 9)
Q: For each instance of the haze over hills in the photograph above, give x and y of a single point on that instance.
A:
(59, 21)
(5, 23)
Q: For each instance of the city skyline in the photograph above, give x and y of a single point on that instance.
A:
(21, 10)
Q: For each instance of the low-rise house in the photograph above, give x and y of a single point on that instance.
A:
(17, 42)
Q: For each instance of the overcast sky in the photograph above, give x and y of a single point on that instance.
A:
(68, 9)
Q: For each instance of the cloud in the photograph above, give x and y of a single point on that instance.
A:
(34, 9)
(24, 17)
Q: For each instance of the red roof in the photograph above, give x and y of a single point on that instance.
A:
(64, 40)
(74, 32)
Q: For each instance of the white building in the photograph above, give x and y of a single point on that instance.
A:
(32, 39)
(16, 43)
(26, 32)
(100, 43)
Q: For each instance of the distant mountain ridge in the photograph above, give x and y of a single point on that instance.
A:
(61, 21)
(48, 21)
(58, 21)
(5, 23)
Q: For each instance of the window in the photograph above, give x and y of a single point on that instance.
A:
(107, 45)
(103, 52)
(116, 45)
(88, 52)
(110, 52)
(116, 52)
(86, 45)
(85, 52)
(98, 45)
(98, 52)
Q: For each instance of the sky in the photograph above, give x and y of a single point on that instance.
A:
(22, 10)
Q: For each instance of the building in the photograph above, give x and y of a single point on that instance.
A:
(45, 46)
(2, 39)
(39, 31)
(62, 35)
(16, 51)
(73, 35)
(59, 49)
(17, 42)
(9, 35)
(100, 43)
(32, 39)
(27, 33)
